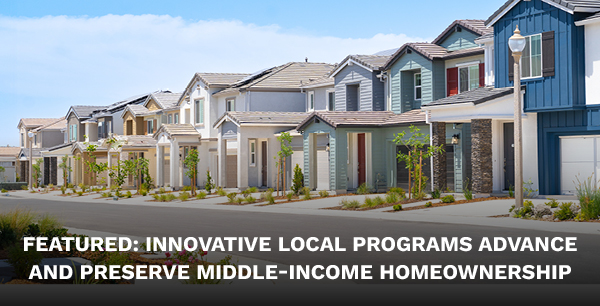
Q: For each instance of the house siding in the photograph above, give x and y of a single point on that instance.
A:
(402, 80)
(352, 75)
(459, 40)
(564, 90)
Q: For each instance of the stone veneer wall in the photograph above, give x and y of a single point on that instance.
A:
(481, 155)
(438, 138)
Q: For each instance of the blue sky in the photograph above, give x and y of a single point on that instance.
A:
(63, 53)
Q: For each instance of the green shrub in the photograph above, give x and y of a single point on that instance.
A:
(323, 193)
(552, 203)
(156, 197)
(298, 180)
(428, 204)
(306, 193)
(364, 188)
(589, 199)
(436, 194)
(528, 191)
(143, 192)
(368, 202)
(8, 236)
(48, 223)
(231, 197)
(268, 196)
(3, 190)
(252, 190)
(107, 195)
(161, 190)
(128, 194)
(184, 196)
(564, 211)
(221, 192)
(511, 191)
(398, 191)
(24, 187)
(347, 204)
(239, 200)
(468, 193)
(201, 195)
(392, 197)
(118, 194)
(18, 220)
(524, 212)
(250, 199)
(63, 189)
(79, 193)
(289, 196)
(186, 188)
(246, 193)
(448, 199)
(23, 261)
(397, 207)
(171, 197)
(209, 185)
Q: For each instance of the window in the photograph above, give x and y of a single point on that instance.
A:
(199, 105)
(418, 91)
(311, 101)
(73, 132)
(150, 126)
(252, 153)
(230, 105)
(531, 61)
(468, 78)
(176, 119)
(170, 118)
(22, 140)
(331, 101)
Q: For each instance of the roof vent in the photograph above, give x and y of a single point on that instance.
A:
(409, 51)
(458, 29)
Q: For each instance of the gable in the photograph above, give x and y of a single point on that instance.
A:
(152, 105)
(460, 39)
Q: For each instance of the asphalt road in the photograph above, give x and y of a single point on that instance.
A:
(182, 222)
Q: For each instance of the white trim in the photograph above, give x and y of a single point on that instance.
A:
(347, 63)
(564, 8)
(515, 2)
(471, 63)
(233, 104)
(311, 94)
(415, 86)
(250, 153)
(531, 62)
(327, 92)
(587, 21)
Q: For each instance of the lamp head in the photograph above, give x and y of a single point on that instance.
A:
(517, 41)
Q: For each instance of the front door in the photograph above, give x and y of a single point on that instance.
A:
(264, 162)
(362, 169)
(509, 155)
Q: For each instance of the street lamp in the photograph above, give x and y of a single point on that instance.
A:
(517, 44)
(30, 134)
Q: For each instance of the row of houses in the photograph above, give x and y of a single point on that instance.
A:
(344, 117)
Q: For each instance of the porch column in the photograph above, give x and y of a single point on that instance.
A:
(481, 156)
(312, 160)
(242, 160)
(222, 160)
(160, 166)
(174, 164)
(438, 137)
(109, 164)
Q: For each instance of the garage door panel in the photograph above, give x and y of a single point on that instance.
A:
(579, 160)
(323, 170)
(577, 149)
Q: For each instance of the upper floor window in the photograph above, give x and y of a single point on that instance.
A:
(418, 89)
(531, 60)
(230, 105)
(73, 132)
(468, 78)
(311, 101)
(252, 153)
(150, 126)
(170, 118)
(199, 105)
(331, 101)
(176, 119)
(22, 140)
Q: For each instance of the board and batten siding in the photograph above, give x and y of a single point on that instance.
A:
(460, 40)
(370, 87)
(322, 128)
(564, 90)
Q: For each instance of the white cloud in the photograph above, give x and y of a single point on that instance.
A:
(82, 60)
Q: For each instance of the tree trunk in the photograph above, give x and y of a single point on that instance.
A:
(410, 165)
(420, 171)
(278, 175)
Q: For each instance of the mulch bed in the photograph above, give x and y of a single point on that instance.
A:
(440, 204)
(340, 207)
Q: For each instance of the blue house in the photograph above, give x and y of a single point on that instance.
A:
(557, 76)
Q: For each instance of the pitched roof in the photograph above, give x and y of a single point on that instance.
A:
(590, 19)
(136, 110)
(36, 122)
(371, 119)
(275, 118)
(138, 141)
(485, 37)
(177, 130)
(320, 82)
(60, 146)
(285, 77)
(58, 124)
(570, 6)
(371, 62)
(432, 52)
(121, 104)
(10, 151)
(475, 96)
(220, 79)
(475, 26)
(84, 111)
(165, 99)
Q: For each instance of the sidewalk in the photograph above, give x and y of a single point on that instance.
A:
(477, 213)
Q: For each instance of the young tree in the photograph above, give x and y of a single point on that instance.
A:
(64, 165)
(36, 172)
(210, 184)
(298, 180)
(191, 162)
(92, 167)
(285, 139)
(120, 171)
(417, 154)
(2, 172)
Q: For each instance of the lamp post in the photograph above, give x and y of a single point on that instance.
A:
(517, 44)
(30, 134)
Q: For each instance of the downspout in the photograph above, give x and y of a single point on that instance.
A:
(430, 144)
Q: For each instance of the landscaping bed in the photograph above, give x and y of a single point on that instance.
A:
(440, 204)
(384, 205)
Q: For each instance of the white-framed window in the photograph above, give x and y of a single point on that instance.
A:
(230, 105)
(252, 153)
(311, 101)
(73, 132)
(468, 78)
(22, 140)
(150, 126)
(176, 118)
(531, 60)
(418, 89)
(331, 100)
(199, 106)
(170, 118)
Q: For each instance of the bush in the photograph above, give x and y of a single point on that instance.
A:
(306, 193)
(268, 196)
(79, 193)
(468, 193)
(143, 192)
(428, 204)
(128, 194)
(156, 197)
(186, 188)
(252, 190)
(553, 203)
(18, 220)
(524, 212)
(4, 190)
(107, 195)
(323, 193)
(184, 196)
(63, 189)
(221, 192)
(210, 185)
(347, 204)
(397, 207)
(246, 193)
(239, 200)
(564, 211)
(436, 194)
(298, 180)
(250, 199)
(8, 236)
(231, 197)
(392, 197)
(589, 199)
(528, 191)
(448, 199)
(48, 223)
(24, 187)
(161, 190)
(289, 196)
(201, 195)
(364, 188)
(170, 197)
(23, 261)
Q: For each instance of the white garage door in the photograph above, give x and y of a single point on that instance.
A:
(322, 170)
(579, 159)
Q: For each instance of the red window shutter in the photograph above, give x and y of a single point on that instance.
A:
(481, 75)
(154, 126)
(452, 81)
